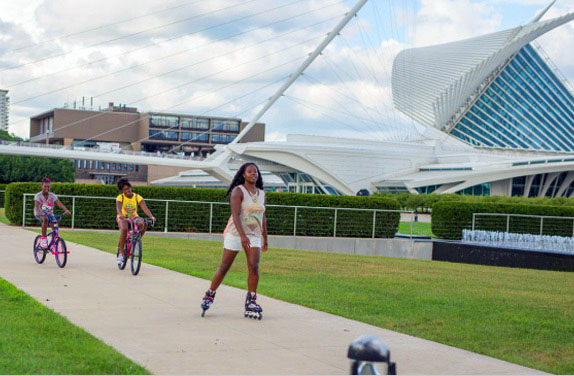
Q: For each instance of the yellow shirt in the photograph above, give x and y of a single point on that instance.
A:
(129, 205)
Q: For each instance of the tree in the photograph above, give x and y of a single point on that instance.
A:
(23, 169)
(4, 135)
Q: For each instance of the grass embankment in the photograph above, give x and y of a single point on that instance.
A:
(36, 340)
(419, 228)
(519, 315)
(3, 218)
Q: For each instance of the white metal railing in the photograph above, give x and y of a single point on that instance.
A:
(211, 217)
(531, 224)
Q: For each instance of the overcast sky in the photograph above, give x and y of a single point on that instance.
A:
(226, 57)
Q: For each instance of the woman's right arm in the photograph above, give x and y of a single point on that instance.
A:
(236, 199)
(119, 209)
(39, 208)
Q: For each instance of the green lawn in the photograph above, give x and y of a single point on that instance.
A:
(36, 340)
(3, 218)
(419, 228)
(519, 315)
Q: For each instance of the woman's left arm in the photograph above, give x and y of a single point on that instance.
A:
(65, 209)
(146, 210)
(264, 230)
(264, 247)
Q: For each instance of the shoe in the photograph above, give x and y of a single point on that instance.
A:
(43, 242)
(120, 259)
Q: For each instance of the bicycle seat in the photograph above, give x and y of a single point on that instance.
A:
(369, 349)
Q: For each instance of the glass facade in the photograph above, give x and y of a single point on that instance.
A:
(300, 182)
(222, 138)
(197, 137)
(477, 190)
(526, 107)
(163, 121)
(162, 135)
(194, 123)
(226, 125)
(547, 185)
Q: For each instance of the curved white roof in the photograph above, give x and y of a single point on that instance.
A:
(432, 84)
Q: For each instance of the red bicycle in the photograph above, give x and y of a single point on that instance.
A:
(133, 247)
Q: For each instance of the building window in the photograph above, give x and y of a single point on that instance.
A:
(85, 164)
(119, 166)
(125, 166)
(163, 121)
(131, 167)
(202, 123)
(113, 166)
(226, 125)
(222, 138)
(102, 166)
(91, 164)
(196, 137)
(194, 123)
(162, 135)
(137, 168)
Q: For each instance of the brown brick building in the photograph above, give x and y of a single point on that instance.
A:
(121, 127)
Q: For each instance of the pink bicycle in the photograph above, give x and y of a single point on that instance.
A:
(56, 246)
(133, 247)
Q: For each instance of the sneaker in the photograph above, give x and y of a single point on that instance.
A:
(120, 259)
(43, 242)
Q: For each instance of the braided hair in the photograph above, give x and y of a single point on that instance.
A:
(238, 179)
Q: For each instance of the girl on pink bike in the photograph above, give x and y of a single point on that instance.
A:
(44, 202)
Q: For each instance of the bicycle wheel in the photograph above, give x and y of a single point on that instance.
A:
(122, 266)
(136, 256)
(61, 252)
(39, 253)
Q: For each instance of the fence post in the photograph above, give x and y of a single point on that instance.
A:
(541, 224)
(24, 211)
(210, 216)
(295, 223)
(508, 223)
(374, 222)
(473, 220)
(335, 225)
(412, 219)
(73, 212)
(166, 216)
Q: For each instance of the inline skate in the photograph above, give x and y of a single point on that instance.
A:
(207, 301)
(252, 309)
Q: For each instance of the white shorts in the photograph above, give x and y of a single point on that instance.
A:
(233, 243)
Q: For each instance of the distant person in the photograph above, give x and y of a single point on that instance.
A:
(247, 229)
(127, 207)
(44, 209)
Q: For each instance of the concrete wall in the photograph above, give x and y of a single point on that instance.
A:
(398, 248)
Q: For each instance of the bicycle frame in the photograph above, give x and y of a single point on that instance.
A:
(55, 234)
(133, 233)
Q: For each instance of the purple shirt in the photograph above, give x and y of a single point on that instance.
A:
(46, 204)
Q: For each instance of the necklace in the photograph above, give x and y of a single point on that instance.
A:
(254, 196)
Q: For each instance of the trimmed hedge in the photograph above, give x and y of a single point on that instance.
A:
(2, 188)
(424, 202)
(450, 218)
(194, 217)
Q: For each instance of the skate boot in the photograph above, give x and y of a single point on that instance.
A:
(207, 301)
(252, 309)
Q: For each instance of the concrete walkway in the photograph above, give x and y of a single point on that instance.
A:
(154, 319)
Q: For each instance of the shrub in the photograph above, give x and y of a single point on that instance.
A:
(100, 213)
(424, 202)
(2, 189)
(450, 218)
